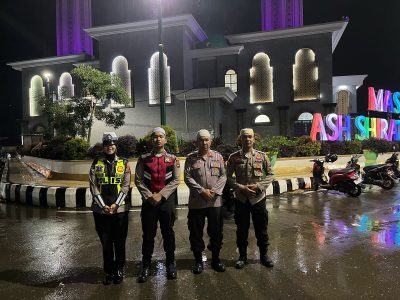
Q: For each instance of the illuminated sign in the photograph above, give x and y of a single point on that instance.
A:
(383, 100)
(338, 128)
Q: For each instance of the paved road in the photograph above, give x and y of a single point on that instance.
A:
(325, 246)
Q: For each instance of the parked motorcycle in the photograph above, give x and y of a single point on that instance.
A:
(394, 160)
(342, 180)
(380, 175)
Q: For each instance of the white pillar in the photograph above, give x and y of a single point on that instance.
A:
(88, 198)
(51, 196)
(36, 195)
(70, 197)
(136, 198)
(22, 193)
(12, 192)
(183, 194)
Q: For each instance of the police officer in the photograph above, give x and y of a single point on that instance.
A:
(206, 177)
(252, 176)
(110, 178)
(157, 178)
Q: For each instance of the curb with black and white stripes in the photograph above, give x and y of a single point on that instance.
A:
(81, 197)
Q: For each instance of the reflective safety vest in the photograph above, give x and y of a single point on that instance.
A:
(116, 177)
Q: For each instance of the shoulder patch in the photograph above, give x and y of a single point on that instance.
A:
(177, 163)
(143, 156)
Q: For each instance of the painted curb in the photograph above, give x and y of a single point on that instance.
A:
(62, 197)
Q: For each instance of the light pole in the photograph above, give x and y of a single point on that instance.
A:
(161, 65)
(47, 76)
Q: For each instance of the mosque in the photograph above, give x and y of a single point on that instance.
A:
(273, 79)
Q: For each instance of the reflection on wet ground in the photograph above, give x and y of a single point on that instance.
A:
(324, 245)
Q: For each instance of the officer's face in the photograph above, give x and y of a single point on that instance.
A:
(109, 149)
(158, 140)
(247, 140)
(204, 144)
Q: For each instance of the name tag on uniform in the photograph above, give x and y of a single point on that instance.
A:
(215, 164)
(215, 171)
(257, 166)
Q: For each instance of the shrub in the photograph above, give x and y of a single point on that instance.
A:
(96, 150)
(143, 146)
(217, 141)
(55, 148)
(307, 147)
(36, 150)
(353, 147)
(76, 148)
(376, 145)
(287, 151)
(273, 145)
(187, 147)
(336, 147)
(126, 146)
(226, 150)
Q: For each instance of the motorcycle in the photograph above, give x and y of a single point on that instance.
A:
(379, 175)
(342, 180)
(394, 161)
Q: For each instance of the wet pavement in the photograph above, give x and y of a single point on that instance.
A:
(325, 246)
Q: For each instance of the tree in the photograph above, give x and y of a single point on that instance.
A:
(98, 88)
(56, 113)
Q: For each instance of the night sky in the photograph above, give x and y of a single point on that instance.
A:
(370, 44)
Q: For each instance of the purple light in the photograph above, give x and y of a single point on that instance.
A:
(281, 14)
(72, 17)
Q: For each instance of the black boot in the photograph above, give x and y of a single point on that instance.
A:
(266, 261)
(216, 263)
(241, 262)
(118, 276)
(218, 266)
(198, 266)
(144, 273)
(171, 270)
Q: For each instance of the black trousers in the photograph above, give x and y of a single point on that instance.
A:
(196, 221)
(151, 215)
(259, 215)
(112, 231)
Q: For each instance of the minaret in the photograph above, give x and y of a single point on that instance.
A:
(72, 17)
(281, 14)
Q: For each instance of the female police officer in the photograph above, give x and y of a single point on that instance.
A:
(110, 178)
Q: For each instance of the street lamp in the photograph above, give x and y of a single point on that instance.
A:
(161, 65)
(47, 77)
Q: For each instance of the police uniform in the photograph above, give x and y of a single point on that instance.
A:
(109, 183)
(158, 173)
(205, 172)
(250, 168)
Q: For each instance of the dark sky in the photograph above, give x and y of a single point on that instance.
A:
(370, 44)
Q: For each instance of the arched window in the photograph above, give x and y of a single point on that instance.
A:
(343, 102)
(302, 126)
(120, 69)
(261, 81)
(262, 119)
(305, 76)
(306, 116)
(154, 80)
(35, 92)
(231, 80)
(65, 88)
